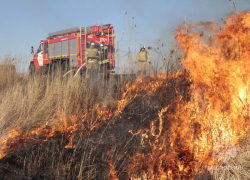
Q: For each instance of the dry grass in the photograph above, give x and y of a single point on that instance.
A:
(36, 99)
(28, 102)
(238, 167)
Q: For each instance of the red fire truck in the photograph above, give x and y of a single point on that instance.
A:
(66, 49)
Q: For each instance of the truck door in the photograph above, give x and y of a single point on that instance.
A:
(40, 55)
(46, 53)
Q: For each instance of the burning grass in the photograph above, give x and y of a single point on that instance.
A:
(179, 125)
(103, 134)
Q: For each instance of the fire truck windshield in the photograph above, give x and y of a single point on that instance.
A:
(40, 48)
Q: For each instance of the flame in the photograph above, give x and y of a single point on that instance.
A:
(217, 110)
(63, 125)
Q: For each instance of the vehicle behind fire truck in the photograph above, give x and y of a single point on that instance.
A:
(66, 49)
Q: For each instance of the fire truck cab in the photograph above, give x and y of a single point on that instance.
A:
(66, 48)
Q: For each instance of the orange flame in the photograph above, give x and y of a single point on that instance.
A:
(217, 110)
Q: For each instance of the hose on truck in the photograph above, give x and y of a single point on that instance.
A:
(76, 71)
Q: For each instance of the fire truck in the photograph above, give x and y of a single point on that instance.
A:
(66, 49)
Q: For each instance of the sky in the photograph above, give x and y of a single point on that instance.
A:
(24, 23)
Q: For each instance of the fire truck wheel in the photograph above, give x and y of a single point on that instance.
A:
(32, 69)
(64, 67)
(54, 67)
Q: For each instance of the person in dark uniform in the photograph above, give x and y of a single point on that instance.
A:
(103, 60)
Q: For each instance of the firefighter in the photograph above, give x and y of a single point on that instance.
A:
(92, 64)
(141, 61)
(103, 60)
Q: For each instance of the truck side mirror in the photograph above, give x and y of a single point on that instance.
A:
(32, 50)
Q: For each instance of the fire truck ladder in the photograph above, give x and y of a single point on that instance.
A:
(81, 50)
(81, 42)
